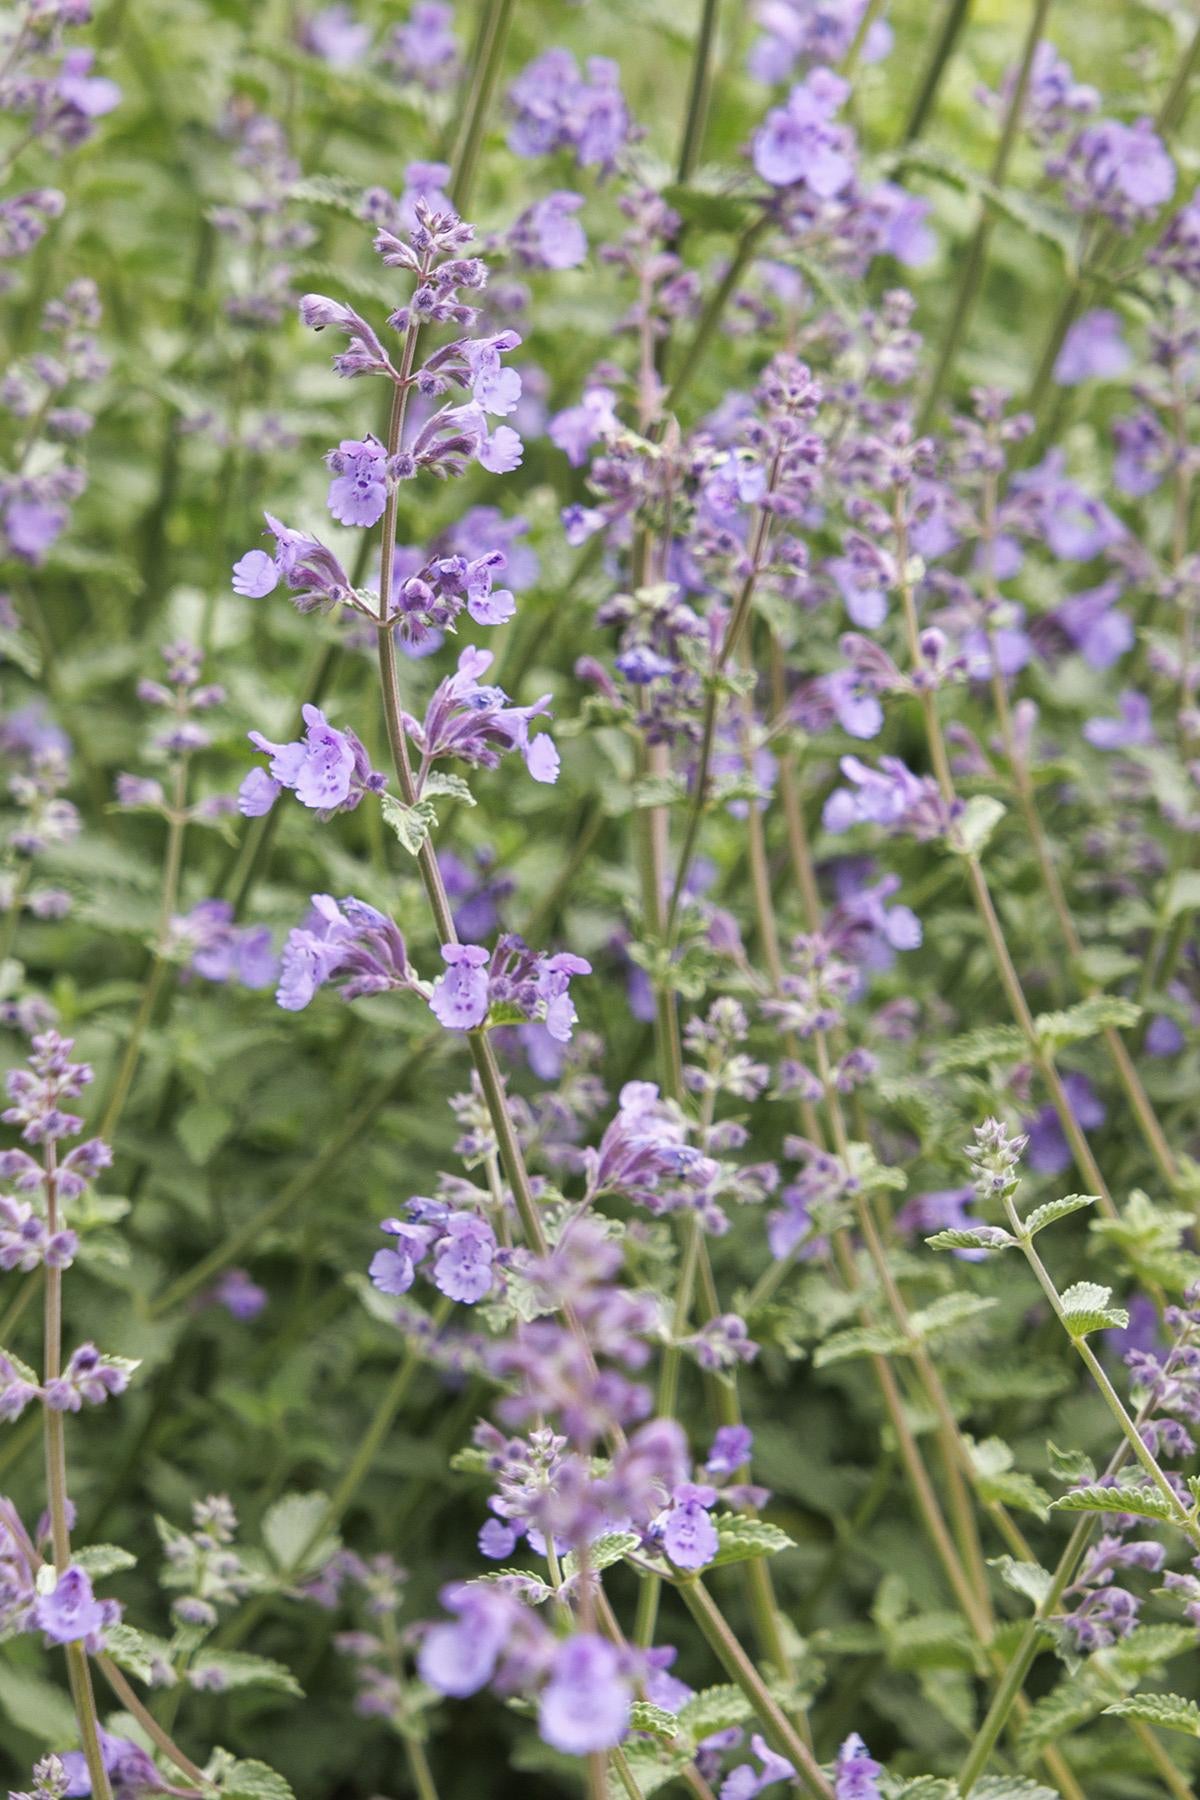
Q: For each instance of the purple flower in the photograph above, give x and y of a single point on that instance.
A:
(327, 770)
(855, 1773)
(1049, 1152)
(347, 941)
(358, 491)
(463, 1267)
(855, 704)
(476, 724)
(1093, 349)
(578, 428)
(460, 996)
(337, 37)
(1121, 171)
(255, 575)
(491, 1628)
(731, 1449)
(799, 143)
(1133, 727)
(71, 1612)
(423, 48)
(585, 1706)
(689, 1536)
(394, 1271)
(129, 1768)
(941, 1209)
(745, 1782)
(548, 235)
(241, 1297)
(555, 107)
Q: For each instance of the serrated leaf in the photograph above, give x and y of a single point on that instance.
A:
(1085, 1309)
(440, 781)
(991, 1043)
(860, 1340)
(1072, 1703)
(1070, 1465)
(103, 1559)
(713, 1709)
(1142, 1502)
(1150, 1646)
(201, 1129)
(978, 1237)
(1041, 1216)
(222, 1669)
(1011, 1787)
(602, 1554)
(978, 820)
(710, 211)
(411, 824)
(645, 1716)
(950, 1313)
(1085, 1020)
(22, 1369)
(137, 1651)
(1169, 1711)
(742, 1539)
(254, 1781)
(1183, 895)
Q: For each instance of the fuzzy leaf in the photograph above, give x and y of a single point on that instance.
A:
(1025, 1578)
(439, 781)
(236, 1669)
(136, 1651)
(1041, 1216)
(1086, 1309)
(1087, 1019)
(103, 1559)
(411, 824)
(289, 1526)
(861, 1340)
(602, 1554)
(254, 1781)
(1169, 1711)
(742, 1540)
(979, 1237)
(980, 817)
(950, 1313)
(1142, 1502)
(713, 1709)
(38, 1707)
(655, 1719)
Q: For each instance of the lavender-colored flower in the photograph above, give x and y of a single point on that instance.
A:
(241, 1297)
(554, 107)
(586, 1704)
(463, 1266)
(70, 1612)
(423, 48)
(358, 491)
(345, 941)
(393, 1271)
(856, 1772)
(1049, 1152)
(689, 1536)
(1120, 171)
(476, 724)
(336, 36)
(745, 1782)
(799, 142)
(548, 235)
(328, 770)
(1093, 349)
(1131, 728)
(731, 1448)
(460, 996)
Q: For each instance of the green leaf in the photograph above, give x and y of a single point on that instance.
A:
(38, 1707)
(1183, 895)
(22, 1368)
(439, 781)
(236, 1669)
(1150, 1646)
(1041, 1216)
(254, 1781)
(1010, 1787)
(1070, 1465)
(713, 1709)
(137, 1652)
(411, 824)
(103, 1559)
(1072, 1703)
(201, 1129)
(289, 1526)
(860, 1340)
(979, 1237)
(979, 819)
(990, 1044)
(1029, 1579)
(742, 1539)
(1170, 1711)
(645, 1716)
(604, 1552)
(950, 1313)
(1143, 1502)
(1087, 1019)
(1086, 1309)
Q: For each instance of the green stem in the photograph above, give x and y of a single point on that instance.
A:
(78, 1673)
(777, 1727)
(710, 318)
(699, 91)
(943, 49)
(976, 258)
(149, 1724)
(465, 160)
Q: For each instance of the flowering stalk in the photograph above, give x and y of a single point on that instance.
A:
(465, 159)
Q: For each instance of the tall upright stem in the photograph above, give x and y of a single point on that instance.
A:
(699, 91)
(78, 1673)
(465, 159)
